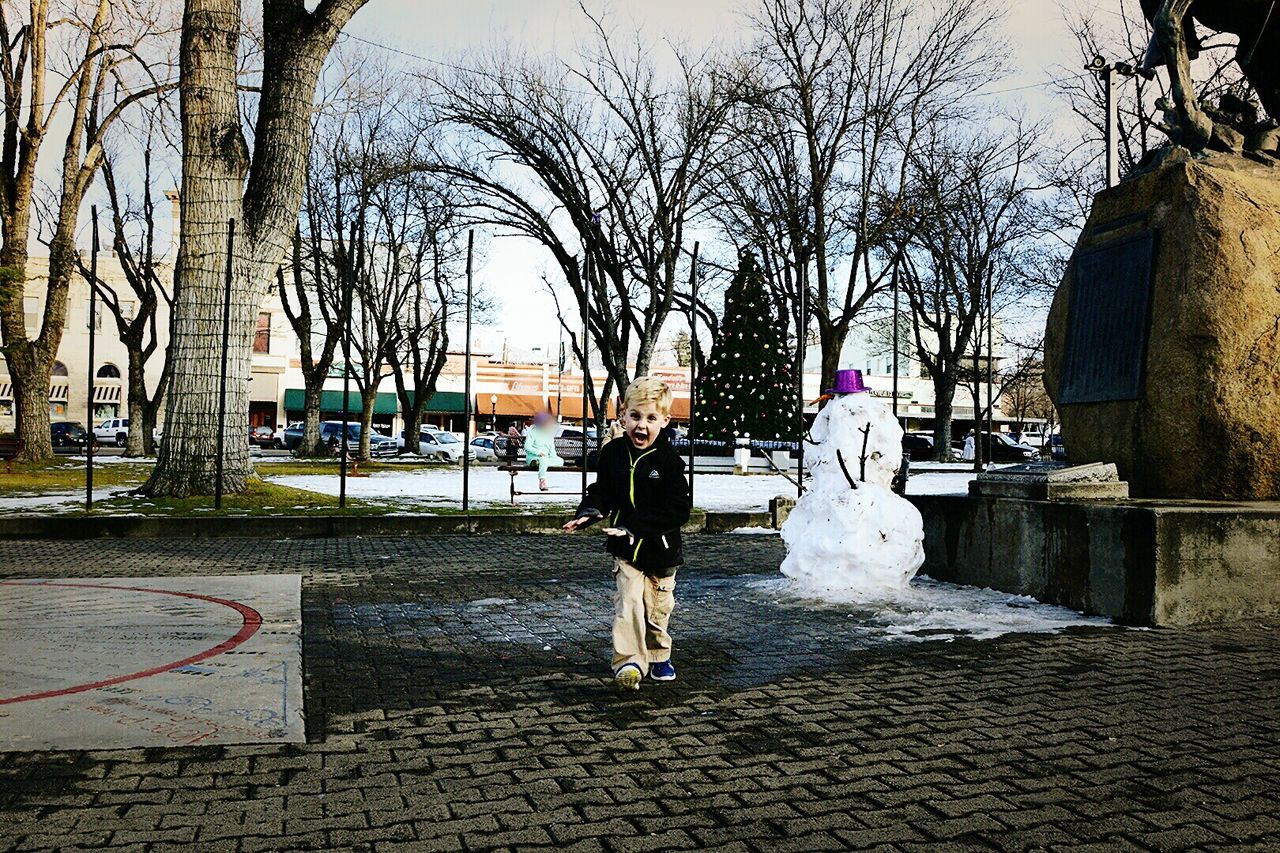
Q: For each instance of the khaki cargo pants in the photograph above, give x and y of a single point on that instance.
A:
(642, 607)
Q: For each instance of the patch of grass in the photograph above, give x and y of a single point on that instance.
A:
(60, 475)
(260, 498)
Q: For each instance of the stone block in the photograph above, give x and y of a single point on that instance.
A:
(1138, 562)
(1053, 481)
(779, 510)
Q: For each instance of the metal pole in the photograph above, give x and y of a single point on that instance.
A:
(693, 359)
(586, 368)
(93, 317)
(977, 389)
(802, 328)
(466, 405)
(894, 283)
(348, 301)
(1113, 160)
(1106, 72)
(991, 363)
(222, 380)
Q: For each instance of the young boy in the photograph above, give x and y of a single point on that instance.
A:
(640, 488)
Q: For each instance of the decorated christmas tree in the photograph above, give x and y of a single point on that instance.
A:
(747, 389)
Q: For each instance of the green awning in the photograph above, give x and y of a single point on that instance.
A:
(442, 402)
(331, 401)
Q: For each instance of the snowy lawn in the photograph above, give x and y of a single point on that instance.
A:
(442, 487)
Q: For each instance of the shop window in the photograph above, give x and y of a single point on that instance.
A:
(104, 411)
(108, 371)
(59, 369)
(262, 338)
(58, 411)
(6, 408)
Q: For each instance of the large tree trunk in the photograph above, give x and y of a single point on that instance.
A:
(137, 405)
(944, 392)
(216, 170)
(368, 397)
(313, 388)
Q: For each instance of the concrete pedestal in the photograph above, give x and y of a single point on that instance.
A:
(1140, 562)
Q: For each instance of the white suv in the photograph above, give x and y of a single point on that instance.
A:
(113, 431)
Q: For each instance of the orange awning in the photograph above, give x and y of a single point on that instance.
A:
(517, 405)
(680, 408)
(571, 408)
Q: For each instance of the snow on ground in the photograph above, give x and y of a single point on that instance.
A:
(443, 487)
(929, 610)
(57, 500)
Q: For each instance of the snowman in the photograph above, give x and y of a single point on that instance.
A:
(850, 533)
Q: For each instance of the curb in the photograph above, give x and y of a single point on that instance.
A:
(319, 526)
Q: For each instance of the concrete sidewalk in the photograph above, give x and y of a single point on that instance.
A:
(457, 698)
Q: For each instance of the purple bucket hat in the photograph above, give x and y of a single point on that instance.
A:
(848, 382)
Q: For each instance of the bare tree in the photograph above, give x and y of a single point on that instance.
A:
(105, 48)
(312, 298)
(842, 92)
(432, 240)
(619, 160)
(223, 180)
(133, 220)
(974, 208)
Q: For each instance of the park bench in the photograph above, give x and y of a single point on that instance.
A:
(510, 448)
(515, 468)
(9, 448)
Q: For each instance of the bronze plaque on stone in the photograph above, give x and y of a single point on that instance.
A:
(1107, 322)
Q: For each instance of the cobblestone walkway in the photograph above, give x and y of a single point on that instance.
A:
(456, 699)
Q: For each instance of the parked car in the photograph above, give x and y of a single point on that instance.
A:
(379, 445)
(69, 434)
(569, 444)
(917, 447)
(483, 447)
(1005, 449)
(441, 445)
(262, 436)
(277, 440)
(113, 431)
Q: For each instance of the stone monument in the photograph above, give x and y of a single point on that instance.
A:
(1162, 349)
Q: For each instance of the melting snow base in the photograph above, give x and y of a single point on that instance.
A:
(929, 610)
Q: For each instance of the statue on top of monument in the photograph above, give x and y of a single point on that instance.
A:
(1174, 42)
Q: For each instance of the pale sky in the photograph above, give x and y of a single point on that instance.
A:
(434, 28)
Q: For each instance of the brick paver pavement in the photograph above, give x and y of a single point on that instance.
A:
(456, 699)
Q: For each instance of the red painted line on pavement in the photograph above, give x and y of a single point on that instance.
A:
(251, 621)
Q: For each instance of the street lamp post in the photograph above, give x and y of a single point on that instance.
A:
(1107, 72)
(493, 412)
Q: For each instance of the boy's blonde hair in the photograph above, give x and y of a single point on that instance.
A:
(649, 389)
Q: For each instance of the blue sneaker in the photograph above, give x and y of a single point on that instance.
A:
(628, 677)
(662, 670)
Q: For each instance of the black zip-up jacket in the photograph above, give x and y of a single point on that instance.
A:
(644, 491)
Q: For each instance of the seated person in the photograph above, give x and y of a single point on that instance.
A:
(540, 446)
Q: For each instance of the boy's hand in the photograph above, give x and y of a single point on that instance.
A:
(581, 521)
(620, 531)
